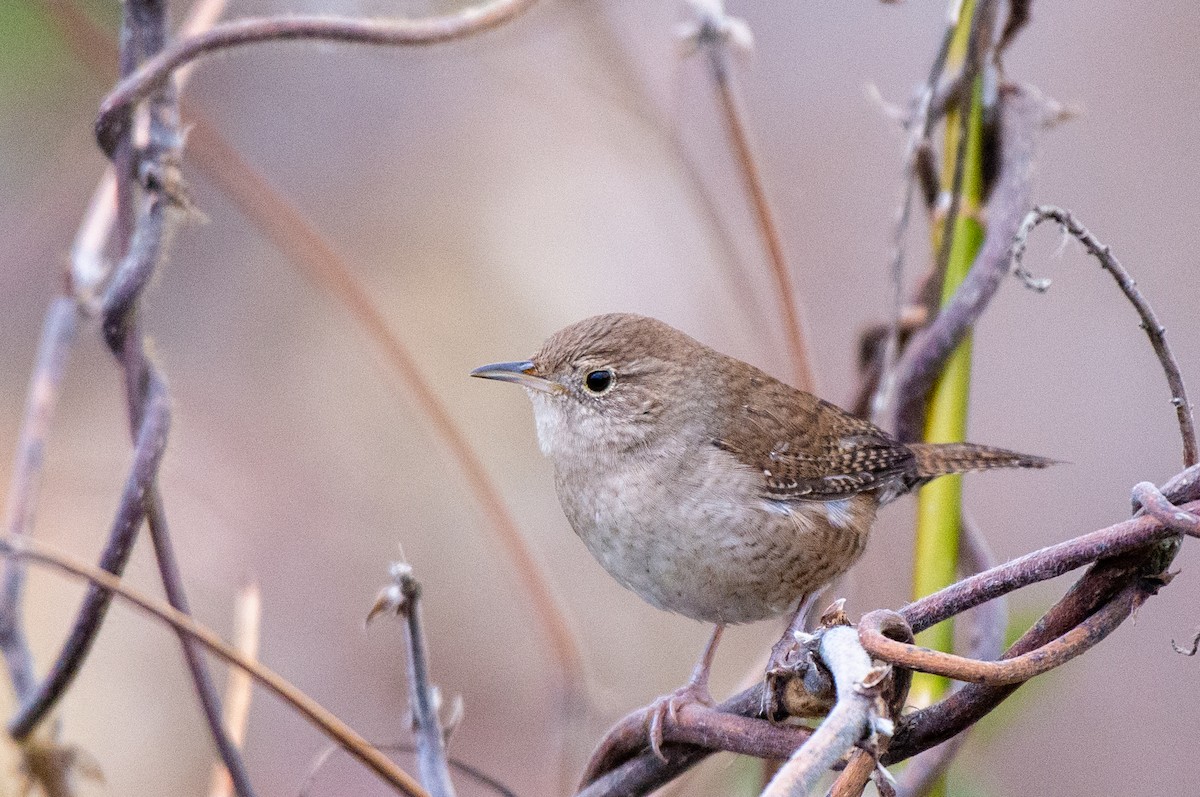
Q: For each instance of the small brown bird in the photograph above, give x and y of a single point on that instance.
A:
(706, 486)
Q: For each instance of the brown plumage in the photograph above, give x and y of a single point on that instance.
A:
(705, 485)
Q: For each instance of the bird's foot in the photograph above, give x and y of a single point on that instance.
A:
(781, 665)
(668, 706)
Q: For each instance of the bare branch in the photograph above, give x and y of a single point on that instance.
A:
(1150, 323)
(113, 117)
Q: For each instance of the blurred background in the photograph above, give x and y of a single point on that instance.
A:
(491, 191)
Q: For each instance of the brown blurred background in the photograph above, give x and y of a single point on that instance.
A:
(491, 191)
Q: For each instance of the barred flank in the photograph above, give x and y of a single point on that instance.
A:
(939, 459)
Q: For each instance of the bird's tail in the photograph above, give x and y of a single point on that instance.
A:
(939, 459)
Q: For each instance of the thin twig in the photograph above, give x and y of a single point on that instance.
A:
(152, 438)
(112, 120)
(1018, 669)
(403, 597)
(980, 633)
(1049, 562)
(181, 623)
(856, 715)
(1149, 321)
(58, 333)
(713, 31)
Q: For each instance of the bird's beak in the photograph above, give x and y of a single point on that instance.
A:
(523, 373)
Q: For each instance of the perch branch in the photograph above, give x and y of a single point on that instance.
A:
(1118, 546)
(856, 716)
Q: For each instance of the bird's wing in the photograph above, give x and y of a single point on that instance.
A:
(817, 452)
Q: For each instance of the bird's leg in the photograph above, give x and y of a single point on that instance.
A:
(694, 691)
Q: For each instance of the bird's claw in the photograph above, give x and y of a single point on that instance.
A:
(667, 707)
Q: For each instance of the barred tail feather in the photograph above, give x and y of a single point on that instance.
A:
(939, 459)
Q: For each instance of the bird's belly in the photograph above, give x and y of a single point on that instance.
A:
(716, 560)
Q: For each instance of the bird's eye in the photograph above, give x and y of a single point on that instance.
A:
(598, 382)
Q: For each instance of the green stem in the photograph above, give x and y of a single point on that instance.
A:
(939, 504)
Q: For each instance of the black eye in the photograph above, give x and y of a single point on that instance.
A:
(598, 381)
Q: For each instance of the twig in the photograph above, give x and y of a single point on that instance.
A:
(855, 716)
(713, 30)
(1055, 560)
(151, 442)
(1149, 321)
(58, 333)
(1023, 112)
(320, 717)
(1018, 669)
(983, 628)
(112, 120)
(403, 597)
(863, 764)
(239, 688)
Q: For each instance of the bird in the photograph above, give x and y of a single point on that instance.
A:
(706, 486)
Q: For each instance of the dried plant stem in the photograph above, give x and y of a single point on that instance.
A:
(58, 334)
(182, 623)
(731, 106)
(403, 597)
(239, 688)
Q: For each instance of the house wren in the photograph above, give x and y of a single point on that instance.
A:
(701, 483)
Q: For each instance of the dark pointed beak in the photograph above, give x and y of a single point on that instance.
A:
(523, 373)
